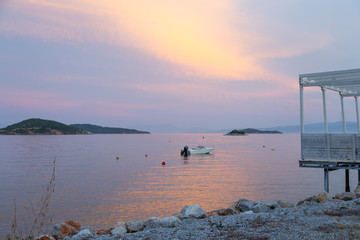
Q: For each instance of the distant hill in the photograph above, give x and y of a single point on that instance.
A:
(333, 127)
(255, 131)
(107, 130)
(37, 126)
(236, 132)
(168, 128)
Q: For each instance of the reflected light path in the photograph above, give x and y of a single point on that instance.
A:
(94, 188)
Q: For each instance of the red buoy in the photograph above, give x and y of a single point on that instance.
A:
(163, 163)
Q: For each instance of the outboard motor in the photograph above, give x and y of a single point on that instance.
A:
(185, 152)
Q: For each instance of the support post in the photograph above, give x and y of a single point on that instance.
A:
(357, 113)
(347, 180)
(358, 177)
(324, 110)
(301, 108)
(301, 116)
(326, 180)
(343, 113)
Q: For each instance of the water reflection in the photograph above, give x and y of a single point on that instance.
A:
(199, 157)
(95, 188)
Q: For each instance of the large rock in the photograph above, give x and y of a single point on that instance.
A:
(45, 237)
(313, 199)
(259, 207)
(134, 226)
(152, 220)
(248, 212)
(194, 211)
(105, 231)
(226, 211)
(64, 229)
(324, 197)
(212, 214)
(169, 220)
(272, 205)
(357, 191)
(244, 205)
(284, 204)
(84, 233)
(346, 196)
(120, 228)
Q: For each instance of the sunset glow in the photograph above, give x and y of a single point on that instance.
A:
(138, 55)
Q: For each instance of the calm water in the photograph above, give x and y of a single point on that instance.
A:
(96, 189)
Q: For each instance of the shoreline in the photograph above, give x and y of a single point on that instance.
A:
(316, 217)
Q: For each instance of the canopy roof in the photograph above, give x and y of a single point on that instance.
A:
(346, 82)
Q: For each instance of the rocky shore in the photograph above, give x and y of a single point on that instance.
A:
(316, 217)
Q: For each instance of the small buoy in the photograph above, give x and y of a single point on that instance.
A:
(263, 146)
(163, 163)
(273, 149)
(145, 155)
(117, 158)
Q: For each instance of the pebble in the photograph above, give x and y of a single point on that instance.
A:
(277, 220)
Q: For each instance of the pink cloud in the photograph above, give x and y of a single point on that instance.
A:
(211, 92)
(32, 99)
(114, 109)
(23, 99)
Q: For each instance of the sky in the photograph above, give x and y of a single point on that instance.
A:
(215, 64)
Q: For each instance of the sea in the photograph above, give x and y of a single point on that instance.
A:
(106, 178)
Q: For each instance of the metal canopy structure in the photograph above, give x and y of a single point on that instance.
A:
(331, 151)
(345, 82)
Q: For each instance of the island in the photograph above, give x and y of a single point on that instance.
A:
(94, 129)
(37, 126)
(245, 131)
(236, 132)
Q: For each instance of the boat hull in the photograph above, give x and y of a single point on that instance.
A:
(194, 151)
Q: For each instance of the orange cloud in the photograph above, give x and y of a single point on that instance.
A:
(193, 35)
(200, 37)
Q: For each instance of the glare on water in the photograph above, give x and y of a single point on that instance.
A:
(97, 189)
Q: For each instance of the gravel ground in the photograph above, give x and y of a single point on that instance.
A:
(330, 220)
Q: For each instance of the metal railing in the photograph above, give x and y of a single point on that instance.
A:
(330, 147)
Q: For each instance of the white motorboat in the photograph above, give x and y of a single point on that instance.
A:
(197, 150)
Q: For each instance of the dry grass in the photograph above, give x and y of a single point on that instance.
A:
(38, 213)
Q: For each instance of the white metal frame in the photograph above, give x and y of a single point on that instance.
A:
(345, 82)
(340, 151)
